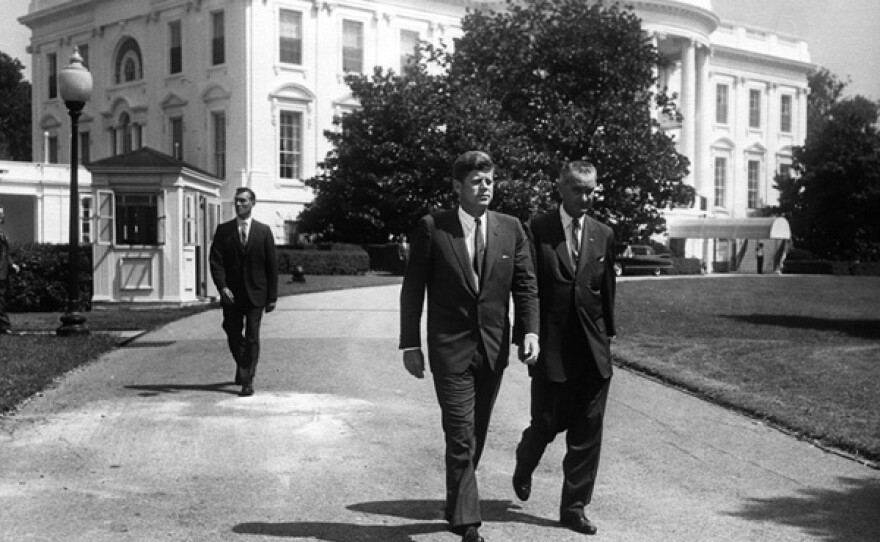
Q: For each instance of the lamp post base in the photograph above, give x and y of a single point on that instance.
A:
(72, 323)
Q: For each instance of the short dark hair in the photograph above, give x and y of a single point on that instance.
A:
(248, 191)
(471, 161)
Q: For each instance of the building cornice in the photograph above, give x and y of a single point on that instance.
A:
(761, 58)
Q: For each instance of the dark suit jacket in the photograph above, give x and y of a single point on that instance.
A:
(587, 293)
(251, 271)
(461, 316)
(5, 261)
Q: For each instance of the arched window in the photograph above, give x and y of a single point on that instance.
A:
(129, 62)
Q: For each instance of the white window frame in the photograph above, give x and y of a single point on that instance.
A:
(362, 49)
(783, 116)
(725, 180)
(302, 31)
(753, 182)
(726, 120)
(753, 91)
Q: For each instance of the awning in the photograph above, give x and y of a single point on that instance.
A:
(729, 228)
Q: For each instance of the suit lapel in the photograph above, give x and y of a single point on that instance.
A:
(558, 239)
(493, 243)
(452, 226)
(587, 250)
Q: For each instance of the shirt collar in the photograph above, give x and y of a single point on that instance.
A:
(247, 221)
(468, 222)
(567, 218)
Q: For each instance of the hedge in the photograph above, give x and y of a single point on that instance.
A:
(825, 267)
(41, 284)
(323, 261)
(685, 266)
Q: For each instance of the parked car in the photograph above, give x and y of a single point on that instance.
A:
(640, 259)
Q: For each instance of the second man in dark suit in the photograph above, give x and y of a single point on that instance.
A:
(245, 271)
(574, 259)
(469, 260)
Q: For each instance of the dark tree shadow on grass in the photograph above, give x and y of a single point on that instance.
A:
(428, 512)
(151, 390)
(846, 515)
(864, 329)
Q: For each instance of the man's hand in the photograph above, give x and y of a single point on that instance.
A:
(16, 268)
(270, 307)
(414, 361)
(529, 349)
(227, 295)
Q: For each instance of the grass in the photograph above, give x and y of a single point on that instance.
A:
(802, 353)
(35, 359)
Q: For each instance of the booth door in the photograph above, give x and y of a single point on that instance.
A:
(209, 215)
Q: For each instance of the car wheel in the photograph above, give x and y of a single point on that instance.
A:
(657, 272)
(618, 269)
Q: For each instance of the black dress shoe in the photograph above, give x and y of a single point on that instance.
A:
(578, 523)
(522, 484)
(472, 535)
(246, 390)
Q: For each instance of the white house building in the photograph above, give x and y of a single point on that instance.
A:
(244, 90)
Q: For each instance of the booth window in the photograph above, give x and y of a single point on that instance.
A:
(104, 220)
(189, 220)
(139, 220)
(86, 204)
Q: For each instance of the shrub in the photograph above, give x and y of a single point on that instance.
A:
(41, 285)
(808, 267)
(324, 261)
(385, 257)
(685, 266)
(866, 269)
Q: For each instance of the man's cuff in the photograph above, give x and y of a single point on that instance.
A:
(535, 335)
(410, 348)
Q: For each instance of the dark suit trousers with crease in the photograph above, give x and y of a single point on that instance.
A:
(245, 347)
(466, 402)
(576, 407)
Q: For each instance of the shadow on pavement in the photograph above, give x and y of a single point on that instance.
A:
(849, 515)
(340, 532)
(151, 390)
(865, 329)
(420, 510)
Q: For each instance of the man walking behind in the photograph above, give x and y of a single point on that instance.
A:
(469, 260)
(245, 271)
(574, 259)
(6, 264)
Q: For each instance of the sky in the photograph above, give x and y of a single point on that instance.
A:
(842, 35)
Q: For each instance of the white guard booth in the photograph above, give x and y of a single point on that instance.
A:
(729, 243)
(154, 218)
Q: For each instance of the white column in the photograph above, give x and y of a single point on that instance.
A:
(706, 116)
(688, 105)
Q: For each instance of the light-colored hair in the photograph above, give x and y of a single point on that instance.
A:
(578, 169)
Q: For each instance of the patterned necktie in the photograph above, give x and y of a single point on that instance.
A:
(243, 232)
(479, 249)
(575, 233)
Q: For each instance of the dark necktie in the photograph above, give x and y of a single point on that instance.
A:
(243, 232)
(575, 230)
(479, 249)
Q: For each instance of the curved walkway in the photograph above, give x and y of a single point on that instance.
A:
(340, 444)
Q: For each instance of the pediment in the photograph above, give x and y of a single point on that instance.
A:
(214, 93)
(172, 100)
(49, 121)
(292, 93)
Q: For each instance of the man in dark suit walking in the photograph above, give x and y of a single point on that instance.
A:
(245, 271)
(6, 264)
(470, 260)
(574, 259)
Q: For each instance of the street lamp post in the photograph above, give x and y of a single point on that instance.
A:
(75, 86)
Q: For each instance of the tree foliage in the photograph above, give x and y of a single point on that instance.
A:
(543, 82)
(15, 110)
(833, 199)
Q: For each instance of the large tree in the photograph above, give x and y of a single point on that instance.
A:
(833, 198)
(15, 110)
(540, 83)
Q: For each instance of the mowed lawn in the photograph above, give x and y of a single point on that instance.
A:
(801, 352)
